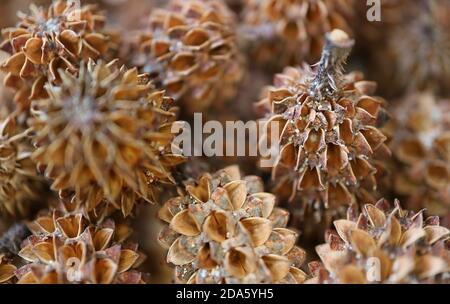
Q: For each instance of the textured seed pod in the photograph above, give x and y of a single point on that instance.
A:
(286, 32)
(20, 184)
(384, 245)
(47, 40)
(106, 136)
(225, 229)
(421, 146)
(190, 49)
(328, 131)
(68, 249)
(7, 270)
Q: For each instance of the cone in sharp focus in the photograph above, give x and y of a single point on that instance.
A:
(46, 40)
(225, 229)
(20, 185)
(329, 139)
(190, 49)
(384, 245)
(421, 146)
(106, 136)
(285, 32)
(68, 249)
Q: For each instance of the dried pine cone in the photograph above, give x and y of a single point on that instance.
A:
(20, 185)
(67, 249)
(407, 248)
(9, 9)
(190, 49)
(330, 140)
(421, 146)
(105, 135)
(48, 40)
(7, 270)
(287, 32)
(225, 229)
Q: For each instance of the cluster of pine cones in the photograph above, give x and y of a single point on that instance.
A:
(92, 192)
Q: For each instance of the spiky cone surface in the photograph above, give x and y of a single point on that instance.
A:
(46, 40)
(20, 184)
(106, 136)
(421, 147)
(190, 49)
(224, 229)
(329, 140)
(407, 248)
(68, 249)
(7, 270)
(286, 32)
(427, 33)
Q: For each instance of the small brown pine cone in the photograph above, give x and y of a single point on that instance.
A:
(47, 40)
(190, 49)
(330, 140)
(106, 136)
(224, 229)
(384, 245)
(68, 249)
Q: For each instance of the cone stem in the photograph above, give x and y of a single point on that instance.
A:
(326, 83)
